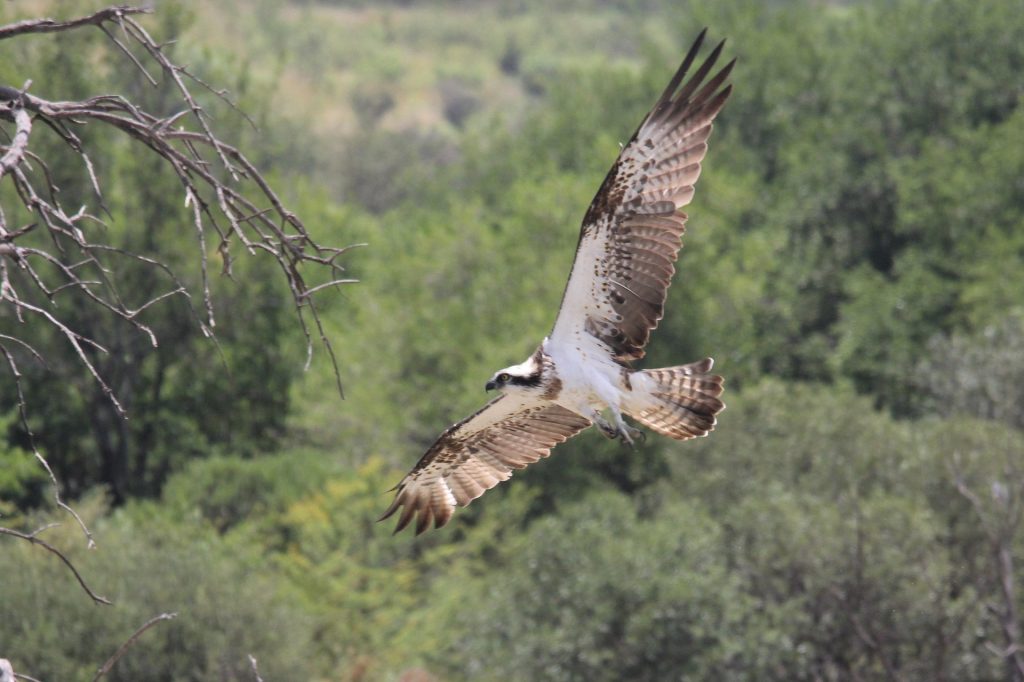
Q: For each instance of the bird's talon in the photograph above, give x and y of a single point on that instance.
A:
(608, 430)
(631, 436)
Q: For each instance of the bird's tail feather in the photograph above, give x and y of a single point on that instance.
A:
(680, 402)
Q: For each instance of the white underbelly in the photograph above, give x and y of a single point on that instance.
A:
(590, 378)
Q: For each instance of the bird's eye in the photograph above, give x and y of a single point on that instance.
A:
(503, 377)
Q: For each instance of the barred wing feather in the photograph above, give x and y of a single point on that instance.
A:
(632, 231)
(477, 453)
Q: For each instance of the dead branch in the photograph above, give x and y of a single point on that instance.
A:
(218, 183)
(121, 650)
(23, 676)
(23, 416)
(255, 668)
(51, 26)
(7, 673)
(1000, 519)
(16, 150)
(225, 197)
(33, 537)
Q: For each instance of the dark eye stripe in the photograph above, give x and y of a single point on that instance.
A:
(530, 380)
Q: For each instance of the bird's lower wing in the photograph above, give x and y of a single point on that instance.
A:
(477, 453)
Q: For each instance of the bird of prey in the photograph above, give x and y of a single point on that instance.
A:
(615, 296)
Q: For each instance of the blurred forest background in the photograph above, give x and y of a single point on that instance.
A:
(854, 263)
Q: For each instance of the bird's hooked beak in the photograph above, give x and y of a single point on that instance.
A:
(490, 386)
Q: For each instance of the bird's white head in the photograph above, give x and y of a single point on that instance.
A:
(524, 376)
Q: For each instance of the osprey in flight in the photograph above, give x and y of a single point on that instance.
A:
(615, 296)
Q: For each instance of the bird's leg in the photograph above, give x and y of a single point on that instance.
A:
(620, 429)
(626, 432)
(608, 429)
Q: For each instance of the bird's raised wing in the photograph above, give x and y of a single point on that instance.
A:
(632, 231)
(476, 454)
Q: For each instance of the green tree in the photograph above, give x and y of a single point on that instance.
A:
(225, 609)
(137, 402)
(599, 593)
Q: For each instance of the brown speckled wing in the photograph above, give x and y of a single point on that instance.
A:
(633, 229)
(476, 454)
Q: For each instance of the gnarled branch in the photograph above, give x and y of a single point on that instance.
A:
(225, 197)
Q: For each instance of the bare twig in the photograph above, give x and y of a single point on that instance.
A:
(16, 150)
(51, 26)
(121, 650)
(335, 282)
(222, 191)
(23, 416)
(35, 540)
(255, 668)
(1000, 521)
(198, 157)
(23, 676)
(7, 673)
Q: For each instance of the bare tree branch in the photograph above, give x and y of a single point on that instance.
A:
(16, 150)
(1000, 521)
(23, 676)
(7, 673)
(23, 416)
(255, 668)
(64, 250)
(121, 650)
(33, 537)
(198, 158)
(51, 26)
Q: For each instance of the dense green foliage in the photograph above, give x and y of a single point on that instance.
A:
(854, 262)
